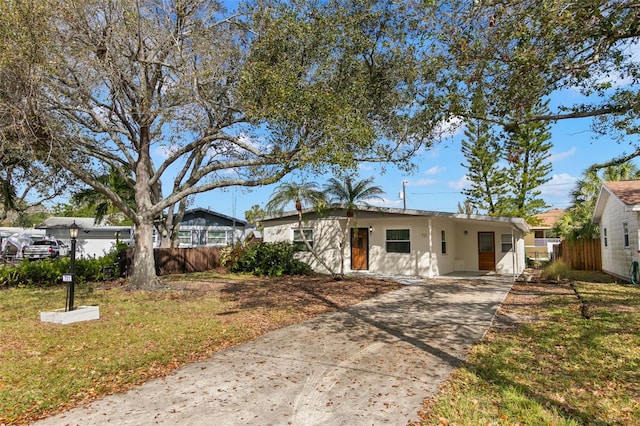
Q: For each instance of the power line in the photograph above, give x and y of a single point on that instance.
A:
(459, 192)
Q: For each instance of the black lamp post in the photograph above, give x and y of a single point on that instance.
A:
(73, 234)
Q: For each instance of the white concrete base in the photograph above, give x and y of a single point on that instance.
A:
(80, 313)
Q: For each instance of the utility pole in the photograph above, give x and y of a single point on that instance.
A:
(403, 194)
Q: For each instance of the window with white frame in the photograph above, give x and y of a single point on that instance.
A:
(217, 238)
(625, 233)
(398, 241)
(605, 238)
(298, 242)
(443, 241)
(507, 242)
(184, 237)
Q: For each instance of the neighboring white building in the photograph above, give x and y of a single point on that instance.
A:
(93, 240)
(407, 242)
(616, 213)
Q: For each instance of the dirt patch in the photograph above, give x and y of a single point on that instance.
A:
(527, 299)
(309, 295)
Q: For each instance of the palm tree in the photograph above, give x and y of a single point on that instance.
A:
(624, 171)
(104, 206)
(576, 222)
(300, 194)
(350, 195)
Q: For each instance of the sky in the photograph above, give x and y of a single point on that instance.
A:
(437, 182)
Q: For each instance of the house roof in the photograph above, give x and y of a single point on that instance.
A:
(626, 192)
(517, 222)
(65, 222)
(207, 212)
(548, 218)
(89, 222)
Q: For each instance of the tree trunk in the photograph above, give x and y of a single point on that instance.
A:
(165, 240)
(144, 265)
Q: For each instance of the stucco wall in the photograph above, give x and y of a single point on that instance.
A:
(616, 259)
(93, 244)
(327, 235)
(426, 257)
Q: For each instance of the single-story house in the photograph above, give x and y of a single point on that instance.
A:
(93, 240)
(616, 213)
(538, 243)
(405, 242)
(202, 227)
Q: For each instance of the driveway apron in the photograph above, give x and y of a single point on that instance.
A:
(370, 364)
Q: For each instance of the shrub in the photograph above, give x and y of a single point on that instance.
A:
(48, 272)
(556, 270)
(44, 273)
(271, 259)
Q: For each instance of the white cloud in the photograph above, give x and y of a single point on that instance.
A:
(562, 155)
(385, 202)
(164, 151)
(450, 127)
(366, 167)
(459, 184)
(422, 182)
(559, 187)
(435, 170)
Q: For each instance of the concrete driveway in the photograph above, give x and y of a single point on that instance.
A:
(371, 364)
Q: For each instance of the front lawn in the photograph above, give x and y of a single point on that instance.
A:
(45, 368)
(545, 363)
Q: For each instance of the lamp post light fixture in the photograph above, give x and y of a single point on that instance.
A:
(73, 234)
(71, 313)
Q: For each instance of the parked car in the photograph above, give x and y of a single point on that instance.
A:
(45, 249)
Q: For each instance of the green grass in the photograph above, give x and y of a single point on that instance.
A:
(560, 369)
(46, 367)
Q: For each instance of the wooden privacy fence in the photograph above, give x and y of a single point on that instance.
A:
(581, 255)
(178, 260)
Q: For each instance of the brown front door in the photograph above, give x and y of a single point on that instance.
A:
(359, 248)
(486, 251)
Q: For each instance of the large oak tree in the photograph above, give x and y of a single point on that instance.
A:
(184, 97)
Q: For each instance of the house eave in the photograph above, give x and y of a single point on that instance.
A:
(517, 222)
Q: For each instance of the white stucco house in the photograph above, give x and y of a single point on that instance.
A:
(616, 213)
(406, 242)
(94, 240)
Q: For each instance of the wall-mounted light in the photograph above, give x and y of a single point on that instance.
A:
(370, 228)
